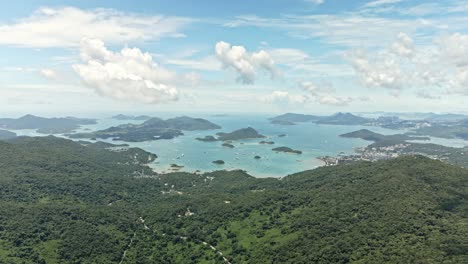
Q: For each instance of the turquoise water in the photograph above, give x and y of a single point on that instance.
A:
(312, 139)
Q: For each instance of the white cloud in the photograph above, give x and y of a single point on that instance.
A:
(329, 99)
(325, 93)
(403, 46)
(384, 71)
(205, 64)
(48, 73)
(244, 63)
(352, 30)
(129, 75)
(381, 2)
(316, 2)
(64, 27)
(455, 48)
(284, 97)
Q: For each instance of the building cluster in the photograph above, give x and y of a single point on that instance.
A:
(367, 154)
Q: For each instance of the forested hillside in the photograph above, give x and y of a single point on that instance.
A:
(66, 202)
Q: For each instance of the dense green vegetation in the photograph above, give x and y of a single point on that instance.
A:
(382, 140)
(152, 129)
(287, 150)
(45, 125)
(68, 202)
(243, 133)
(4, 134)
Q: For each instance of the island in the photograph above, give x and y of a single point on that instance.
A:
(219, 162)
(5, 134)
(207, 139)
(228, 145)
(131, 117)
(293, 118)
(45, 125)
(287, 150)
(344, 119)
(257, 157)
(266, 142)
(382, 140)
(244, 133)
(282, 122)
(152, 129)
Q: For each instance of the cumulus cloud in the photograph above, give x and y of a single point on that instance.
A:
(65, 26)
(48, 73)
(284, 97)
(325, 93)
(441, 67)
(384, 71)
(129, 75)
(244, 63)
(403, 46)
(454, 48)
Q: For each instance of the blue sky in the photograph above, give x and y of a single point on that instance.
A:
(316, 56)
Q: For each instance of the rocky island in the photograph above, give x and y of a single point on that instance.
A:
(219, 162)
(207, 139)
(287, 150)
(45, 125)
(244, 133)
(228, 145)
(152, 129)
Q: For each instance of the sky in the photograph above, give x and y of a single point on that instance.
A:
(265, 56)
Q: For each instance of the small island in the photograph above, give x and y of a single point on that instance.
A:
(266, 142)
(287, 150)
(257, 157)
(207, 139)
(219, 162)
(227, 145)
(282, 123)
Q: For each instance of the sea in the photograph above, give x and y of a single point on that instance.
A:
(314, 140)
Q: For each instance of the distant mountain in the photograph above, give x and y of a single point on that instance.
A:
(45, 125)
(130, 117)
(190, 124)
(344, 119)
(152, 129)
(244, 133)
(382, 140)
(4, 134)
(282, 122)
(446, 117)
(294, 118)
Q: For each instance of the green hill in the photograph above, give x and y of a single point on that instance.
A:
(63, 202)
